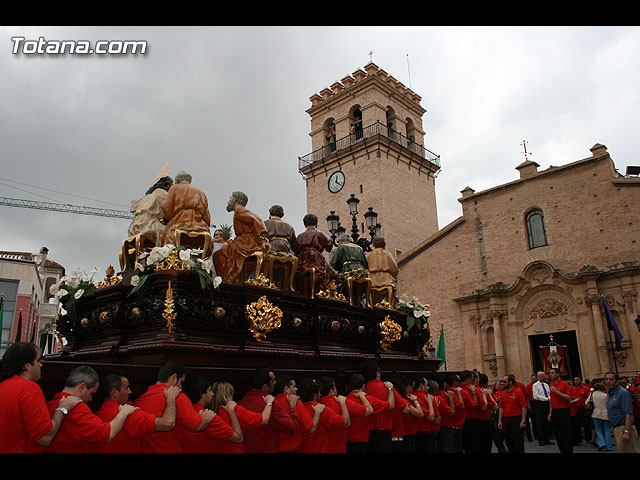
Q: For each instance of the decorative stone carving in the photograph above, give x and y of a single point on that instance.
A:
(547, 311)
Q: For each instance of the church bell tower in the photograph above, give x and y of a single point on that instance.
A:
(368, 143)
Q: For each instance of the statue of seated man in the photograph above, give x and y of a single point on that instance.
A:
(186, 208)
(312, 243)
(148, 213)
(383, 269)
(348, 257)
(251, 236)
(282, 236)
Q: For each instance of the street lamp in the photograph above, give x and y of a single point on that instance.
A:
(371, 221)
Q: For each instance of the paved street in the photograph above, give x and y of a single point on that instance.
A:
(533, 447)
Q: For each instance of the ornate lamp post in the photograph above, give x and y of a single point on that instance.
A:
(371, 221)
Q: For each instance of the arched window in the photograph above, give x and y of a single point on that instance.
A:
(330, 135)
(536, 231)
(356, 124)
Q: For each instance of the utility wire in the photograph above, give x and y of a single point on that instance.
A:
(56, 191)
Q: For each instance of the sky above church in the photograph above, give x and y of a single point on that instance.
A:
(227, 104)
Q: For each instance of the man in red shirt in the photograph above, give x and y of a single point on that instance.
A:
(219, 432)
(512, 415)
(358, 433)
(471, 426)
(447, 408)
(560, 414)
(329, 397)
(579, 392)
(484, 416)
(265, 439)
(318, 441)
(117, 389)
(463, 401)
(286, 390)
(82, 427)
(172, 373)
(25, 422)
(425, 426)
(381, 423)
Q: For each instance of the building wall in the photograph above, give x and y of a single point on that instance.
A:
(479, 274)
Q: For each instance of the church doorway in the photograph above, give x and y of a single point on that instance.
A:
(567, 339)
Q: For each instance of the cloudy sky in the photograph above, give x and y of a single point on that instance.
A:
(228, 105)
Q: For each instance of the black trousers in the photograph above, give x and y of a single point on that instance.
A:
(561, 425)
(543, 426)
(357, 447)
(513, 434)
(380, 441)
(425, 442)
(486, 438)
(471, 435)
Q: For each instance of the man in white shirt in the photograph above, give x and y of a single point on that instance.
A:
(540, 392)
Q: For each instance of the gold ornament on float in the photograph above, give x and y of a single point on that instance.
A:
(391, 332)
(169, 314)
(173, 262)
(261, 281)
(263, 318)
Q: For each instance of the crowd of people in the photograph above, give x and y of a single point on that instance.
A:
(439, 412)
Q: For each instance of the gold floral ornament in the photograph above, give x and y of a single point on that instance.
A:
(331, 292)
(391, 332)
(263, 317)
(110, 278)
(261, 281)
(169, 314)
(383, 304)
(174, 261)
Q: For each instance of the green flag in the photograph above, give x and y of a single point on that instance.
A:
(440, 350)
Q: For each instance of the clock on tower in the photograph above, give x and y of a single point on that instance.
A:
(367, 139)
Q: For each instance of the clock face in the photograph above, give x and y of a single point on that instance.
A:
(336, 181)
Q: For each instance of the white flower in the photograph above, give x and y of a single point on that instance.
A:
(206, 264)
(54, 289)
(78, 294)
(217, 281)
(418, 313)
(142, 255)
(185, 255)
(61, 293)
(77, 272)
(135, 280)
(94, 271)
(139, 266)
(74, 282)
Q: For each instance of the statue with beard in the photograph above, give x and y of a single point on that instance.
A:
(251, 236)
(186, 208)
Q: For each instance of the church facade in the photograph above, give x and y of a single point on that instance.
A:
(527, 264)
(532, 263)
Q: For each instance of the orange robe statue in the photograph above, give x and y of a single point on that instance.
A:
(383, 269)
(251, 235)
(186, 208)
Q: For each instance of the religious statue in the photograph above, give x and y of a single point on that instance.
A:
(251, 236)
(383, 269)
(186, 208)
(349, 257)
(148, 213)
(311, 245)
(282, 236)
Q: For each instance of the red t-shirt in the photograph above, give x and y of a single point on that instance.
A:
(265, 439)
(556, 401)
(581, 393)
(424, 425)
(154, 402)
(289, 442)
(338, 436)
(411, 422)
(472, 410)
(486, 414)
(139, 423)
(247, 419)
(528, 390)
(461, 413)
(512, 402)
(384, 419)
(318, 442)
(360, 426)
(445, 410)
(79, 429)
(24, 416)
(398, 430)
(214, 438)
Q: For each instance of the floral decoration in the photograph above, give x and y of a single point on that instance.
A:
(70, 288)
(417, 313)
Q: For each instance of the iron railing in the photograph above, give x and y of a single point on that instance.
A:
(368, 132)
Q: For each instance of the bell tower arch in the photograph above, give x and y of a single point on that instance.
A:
(376, 153)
